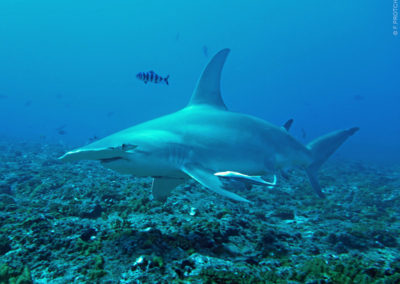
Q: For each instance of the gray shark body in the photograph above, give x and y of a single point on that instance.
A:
(205, 138)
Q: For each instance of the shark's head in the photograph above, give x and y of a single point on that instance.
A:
(140, 152)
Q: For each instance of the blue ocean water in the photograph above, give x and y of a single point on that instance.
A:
(68, 77)
(67, 68)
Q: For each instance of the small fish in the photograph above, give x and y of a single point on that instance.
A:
(61, 130)
(151, 76)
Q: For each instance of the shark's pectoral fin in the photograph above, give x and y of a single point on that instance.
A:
(162, 187)
(207, 178)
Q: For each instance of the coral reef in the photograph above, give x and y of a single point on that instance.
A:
(64, 223)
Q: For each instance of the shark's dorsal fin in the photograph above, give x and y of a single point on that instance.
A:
(208, 87)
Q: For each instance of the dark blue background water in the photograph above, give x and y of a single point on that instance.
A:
(327, 64)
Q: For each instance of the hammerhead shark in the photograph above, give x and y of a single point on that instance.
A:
(223, 150)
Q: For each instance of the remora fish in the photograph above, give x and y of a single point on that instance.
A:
(210, 144)
(151, 76)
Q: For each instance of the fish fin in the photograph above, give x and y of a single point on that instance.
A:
(248, 180)
(206, 178)
(208, 90)
(162, 187)
(288, 124)
(151, 71)
(166, 80)
(321, 149)
(313, 178)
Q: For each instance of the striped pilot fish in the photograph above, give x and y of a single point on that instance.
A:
(151, 76)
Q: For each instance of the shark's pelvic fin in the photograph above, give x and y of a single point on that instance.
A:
(206, 178)
(321, 149)
(208, 89)
(162, 187)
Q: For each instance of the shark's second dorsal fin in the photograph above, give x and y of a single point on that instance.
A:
(288, 124)
(208, 87)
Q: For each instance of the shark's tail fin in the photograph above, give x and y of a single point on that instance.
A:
(321, 149)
